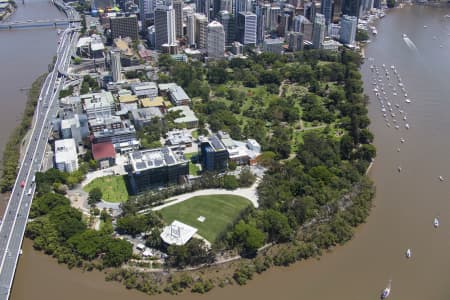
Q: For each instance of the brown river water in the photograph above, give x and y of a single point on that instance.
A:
(404, 208)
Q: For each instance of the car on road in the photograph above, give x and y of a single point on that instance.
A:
(22, 183)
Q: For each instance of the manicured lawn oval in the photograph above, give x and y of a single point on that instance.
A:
(219, 211)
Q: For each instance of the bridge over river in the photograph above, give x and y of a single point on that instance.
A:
(36, 23)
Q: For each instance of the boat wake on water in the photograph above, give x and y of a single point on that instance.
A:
(409, 43)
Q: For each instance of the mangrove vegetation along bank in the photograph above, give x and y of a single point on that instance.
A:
(11, 154)
(309, 114)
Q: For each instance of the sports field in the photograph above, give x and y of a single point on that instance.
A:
(219, 211)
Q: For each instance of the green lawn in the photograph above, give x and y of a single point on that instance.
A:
(219, 211)
(193, 168)
(112, 187)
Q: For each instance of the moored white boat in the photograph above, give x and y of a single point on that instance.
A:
(436, 222)
(441, 178)
(408, 253)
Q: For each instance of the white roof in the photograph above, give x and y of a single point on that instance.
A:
(67, 123)
(65, 151)
(83, 42)
(177, 233)
(188, 114)
(147, 252)
(96, 46)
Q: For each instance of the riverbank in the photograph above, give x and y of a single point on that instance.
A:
(12, 152)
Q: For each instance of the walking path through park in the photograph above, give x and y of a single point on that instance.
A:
(248, 193)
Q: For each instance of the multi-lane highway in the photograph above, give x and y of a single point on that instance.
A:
(15, 218)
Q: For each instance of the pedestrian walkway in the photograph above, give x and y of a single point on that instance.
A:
(248, 193)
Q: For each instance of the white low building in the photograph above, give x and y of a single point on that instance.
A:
(177, 233)
(66, 157)
(242, 153)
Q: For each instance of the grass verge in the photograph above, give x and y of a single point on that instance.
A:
(113, 188)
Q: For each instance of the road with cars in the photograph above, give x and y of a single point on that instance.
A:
(14, 221)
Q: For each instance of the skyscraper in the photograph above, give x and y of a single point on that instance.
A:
(310, 11)
(201, 24)
(226, 5)
(178, 7)
(318, 31)
(295, 40)
(165, 25)
(242, 5)
(260, 26)
(367, 5)
(377, 4)
(215, 9)
(246, 30)
(298, 21)
(143, 11)
(326, 8)
(337, 10)
(215, 40)
(274, 13)
(227, 21)
(351, 7)
(284, 25)
(123, 26)
(116, 67)
(203, 7)
(190, 30)
(303, 25)
(348, 29)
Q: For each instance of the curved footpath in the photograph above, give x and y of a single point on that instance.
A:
(248, 193)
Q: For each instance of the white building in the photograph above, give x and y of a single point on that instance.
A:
(177, 233)
(66, 158)
(215, 40)
(98, 105)
(116, 67)
(334, 31)
(331, 45)
(145, 90)
(247, 28)
(242, 153)
(190, 29)
(201, 30)
(273, 46)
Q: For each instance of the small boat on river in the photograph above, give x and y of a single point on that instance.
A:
(387, 291)
(436, 222)
(408, 253)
